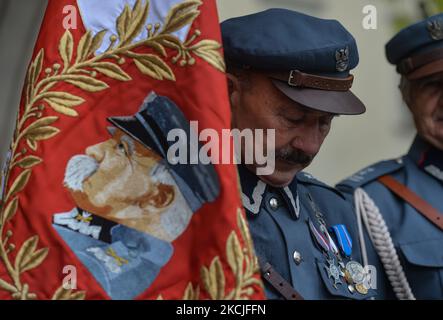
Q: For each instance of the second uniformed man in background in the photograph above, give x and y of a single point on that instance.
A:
(291, 72)
(401, 200)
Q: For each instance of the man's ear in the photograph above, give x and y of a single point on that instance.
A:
(406, 91)
(234, 89)
(160, 197)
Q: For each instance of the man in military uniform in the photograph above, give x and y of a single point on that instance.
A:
(291, 72)
(401, 201)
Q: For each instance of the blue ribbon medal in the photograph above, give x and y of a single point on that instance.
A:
(343, 238)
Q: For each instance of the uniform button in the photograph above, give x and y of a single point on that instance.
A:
(297, 257)
(273, 202)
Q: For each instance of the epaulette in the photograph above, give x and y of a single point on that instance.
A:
(370, 174)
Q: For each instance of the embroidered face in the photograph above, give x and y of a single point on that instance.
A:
(123, 181)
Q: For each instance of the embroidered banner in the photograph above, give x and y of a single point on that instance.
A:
(91, 206)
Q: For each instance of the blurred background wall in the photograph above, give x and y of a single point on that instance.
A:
(19, 24)
(385, 131)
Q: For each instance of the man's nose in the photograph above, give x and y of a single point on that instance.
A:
(96, 152)
(309, 141)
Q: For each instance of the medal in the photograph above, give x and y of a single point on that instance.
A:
(361, 288)
(325, 241)
(332, 244)
(321, 241)
(349, 281)
(343, 238)
(351, 288)
(333, 272)
(326, 237)
(348, 277)
(356, 272)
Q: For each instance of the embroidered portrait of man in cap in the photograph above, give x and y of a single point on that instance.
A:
(130, 203)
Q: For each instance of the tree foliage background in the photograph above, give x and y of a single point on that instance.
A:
(421, 10)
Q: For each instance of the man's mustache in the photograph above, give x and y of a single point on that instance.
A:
(79, 168)
(294, 156)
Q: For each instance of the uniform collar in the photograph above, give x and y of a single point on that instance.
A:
(427, 158)
(146, 246)
(418, 150)
(254, 190)
(86, 223)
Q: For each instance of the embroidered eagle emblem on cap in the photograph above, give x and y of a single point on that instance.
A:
(435, 29)
(342, 59)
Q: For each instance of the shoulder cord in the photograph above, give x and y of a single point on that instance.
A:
(367, 211)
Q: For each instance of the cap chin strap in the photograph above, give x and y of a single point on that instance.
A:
(411, 64)
(299, 79)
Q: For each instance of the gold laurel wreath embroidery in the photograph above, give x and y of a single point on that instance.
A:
(243, 264)
(33, 127)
